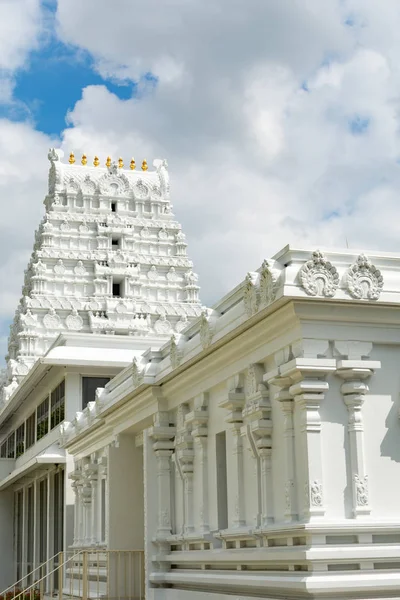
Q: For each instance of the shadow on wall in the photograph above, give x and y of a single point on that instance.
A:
(384, 390)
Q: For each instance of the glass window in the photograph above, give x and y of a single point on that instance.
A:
(11, 445)
(89, 387)
(19, 440)
(30, 431)
(57, 405)
(42, 419)
(3, 450)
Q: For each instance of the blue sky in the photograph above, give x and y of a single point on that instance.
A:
(279, 120)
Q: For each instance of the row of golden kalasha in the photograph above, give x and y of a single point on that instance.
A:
(96, 162)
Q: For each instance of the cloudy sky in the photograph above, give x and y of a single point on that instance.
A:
(279, 120)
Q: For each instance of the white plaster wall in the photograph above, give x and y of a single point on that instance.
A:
(382, 434)
(125, 495)
(335, 453)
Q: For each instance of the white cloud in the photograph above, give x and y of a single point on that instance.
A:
(254, 110)
(21, 25)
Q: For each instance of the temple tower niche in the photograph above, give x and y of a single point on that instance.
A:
(109, 258)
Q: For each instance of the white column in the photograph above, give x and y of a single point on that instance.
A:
(354, 390)
(308, 395)
(234, 403)
(163, 435)
(184, 455)
(95, 508)
(258, 427)
(198, 419)
(308, 390)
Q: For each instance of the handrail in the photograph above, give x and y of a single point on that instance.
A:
(31, 588)
(29, 574)
(89, 572)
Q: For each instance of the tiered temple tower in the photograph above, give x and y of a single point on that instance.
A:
(108, 258)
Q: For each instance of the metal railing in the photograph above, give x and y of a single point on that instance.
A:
(86, 574)
(25, 580)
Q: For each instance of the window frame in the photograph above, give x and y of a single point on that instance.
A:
(57, 408)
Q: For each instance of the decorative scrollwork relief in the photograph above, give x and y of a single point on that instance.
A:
(316, 496)
(361, 485)
(318, 276)
(364, 280)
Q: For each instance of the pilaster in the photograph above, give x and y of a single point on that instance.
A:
(162, 433)
(258, 428)
(198, 419)
(184, 456)
(355, 373)
(234, 403)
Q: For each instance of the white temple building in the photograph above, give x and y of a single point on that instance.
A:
(246, 451)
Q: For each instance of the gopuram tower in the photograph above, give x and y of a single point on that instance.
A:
(108, 259)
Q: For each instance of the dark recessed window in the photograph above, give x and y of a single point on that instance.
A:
(89, 387)
(113, 207)
(11, 445)
(30, 431)
(19, 442)
(57, 403)
(117, 290)
(115, 243)
(42, 419)
(3, 450)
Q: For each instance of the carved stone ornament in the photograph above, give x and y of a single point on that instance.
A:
(59, 268)
(51, 320)
(79, 269)
(39, 268)
(205, 330)
(163, 234)
(162, 325)
(74, 322)
(114, 184)
(137, 374)
(152, 273)
(364, 280)
(361, 485)
(83, 228)
(88, 186)
(65, 226)
(250, 299)
(316, 497)
(181, 324)
(175, 354)
(288, 492)
(141, 190)
(145, 233)
(318, 276)
(172, 276)
(268, 284)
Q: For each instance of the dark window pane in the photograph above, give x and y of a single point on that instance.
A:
(89, 387)
(57, 403)
(30, 431)
(11, 445)
(42, 419)
(19, 442)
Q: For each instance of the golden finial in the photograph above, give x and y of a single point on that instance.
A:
(71, 158)
(144, 165)
(96, 161)
(120, 163)
(133, 164)
(84, 159)
(108, 161)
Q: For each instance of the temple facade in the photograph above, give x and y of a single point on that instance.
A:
(108, 279)
(248, 450)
